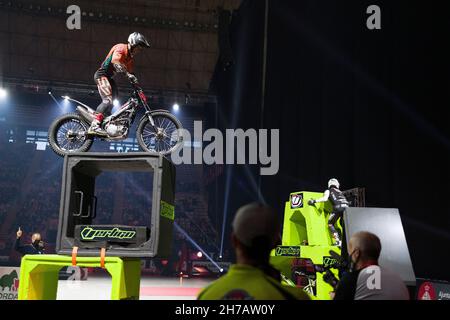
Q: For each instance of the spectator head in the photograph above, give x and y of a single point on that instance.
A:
(255, 233)
(364, 247)
(36, 237)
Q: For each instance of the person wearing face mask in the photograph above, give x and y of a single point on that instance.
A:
(36, 246)
(367, 280)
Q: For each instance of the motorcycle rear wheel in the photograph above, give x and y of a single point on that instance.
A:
(68, 134)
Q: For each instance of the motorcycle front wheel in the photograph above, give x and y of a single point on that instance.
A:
(164, 138)
(68, 134)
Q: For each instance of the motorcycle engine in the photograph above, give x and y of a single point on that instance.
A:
(115, 130)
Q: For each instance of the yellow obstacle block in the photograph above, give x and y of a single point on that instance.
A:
(39, 275)
(306, 236)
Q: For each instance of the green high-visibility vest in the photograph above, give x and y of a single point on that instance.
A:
(244, 282)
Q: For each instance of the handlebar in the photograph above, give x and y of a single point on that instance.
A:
(140, 93)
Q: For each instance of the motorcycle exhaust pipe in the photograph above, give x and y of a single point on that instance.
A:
(89, 117)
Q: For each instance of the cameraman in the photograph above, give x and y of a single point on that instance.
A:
(366, 279)
(36, 246)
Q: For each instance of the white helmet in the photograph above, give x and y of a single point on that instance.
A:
(333, 182)
(137, 39)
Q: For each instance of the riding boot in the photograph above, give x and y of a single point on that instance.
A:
(337, 239)
(335, 235)
(95, 127)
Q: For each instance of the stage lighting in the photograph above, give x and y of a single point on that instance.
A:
(3, 93)
(176, 107)
(66, 102)
(116, 103)
(199, 254)
(221, 269)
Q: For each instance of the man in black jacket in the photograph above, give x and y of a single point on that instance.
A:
(367, 280)
(36, 246)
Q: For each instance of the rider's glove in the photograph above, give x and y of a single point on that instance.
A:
(132, 78)
(311, 202)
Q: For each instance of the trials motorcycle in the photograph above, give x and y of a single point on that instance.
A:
(158, 130)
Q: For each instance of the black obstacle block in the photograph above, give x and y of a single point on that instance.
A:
(78, 205)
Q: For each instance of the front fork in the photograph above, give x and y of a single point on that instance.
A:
(159, 131)
(150, 118)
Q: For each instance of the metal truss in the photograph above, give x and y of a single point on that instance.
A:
(80, 90)
(208, 21)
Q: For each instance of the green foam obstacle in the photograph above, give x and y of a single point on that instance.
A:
(306, 243)
(39, 275)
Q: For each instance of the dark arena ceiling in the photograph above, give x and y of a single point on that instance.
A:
(37, 45)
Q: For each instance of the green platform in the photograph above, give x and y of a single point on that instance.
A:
(306, 236)
(39, 275)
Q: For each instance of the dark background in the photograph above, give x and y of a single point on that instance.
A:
(369, 107)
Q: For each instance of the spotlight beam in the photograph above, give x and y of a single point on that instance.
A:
(196, 246)
(148, 197)
(225, 208)
(54, 99)
(237, 103)
(177, 226)
(201, 230)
